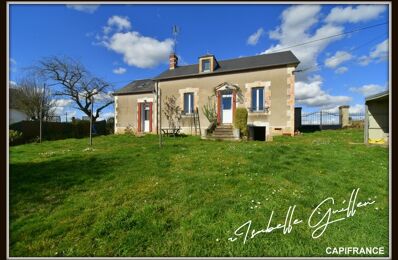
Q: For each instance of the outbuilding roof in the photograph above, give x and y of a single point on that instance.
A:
(380, 95)
(137, 87)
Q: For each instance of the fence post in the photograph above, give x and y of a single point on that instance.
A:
(344, 116)
(297, 118)
(320, 119)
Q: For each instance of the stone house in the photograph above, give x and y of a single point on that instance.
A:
(263, 84)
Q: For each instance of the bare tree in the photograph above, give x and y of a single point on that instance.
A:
(34, 98)
(77, 83)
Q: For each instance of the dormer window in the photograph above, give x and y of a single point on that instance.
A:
(206, 65)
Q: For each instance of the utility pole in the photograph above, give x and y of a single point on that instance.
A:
(41, 111)
(159, 101)
(91, 121)
(66, 117)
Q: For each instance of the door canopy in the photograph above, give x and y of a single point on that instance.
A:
(226, 86)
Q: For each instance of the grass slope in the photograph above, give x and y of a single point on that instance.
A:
(127, 197)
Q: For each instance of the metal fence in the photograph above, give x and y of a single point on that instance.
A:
(320, 118)
(357, 117)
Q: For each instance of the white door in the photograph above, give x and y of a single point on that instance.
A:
(146, 118)
(227, 109)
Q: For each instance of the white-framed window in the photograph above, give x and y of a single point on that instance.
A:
(206, 65)
(188, 102)
(257, 99)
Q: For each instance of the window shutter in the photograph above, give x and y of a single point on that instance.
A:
(261, 99)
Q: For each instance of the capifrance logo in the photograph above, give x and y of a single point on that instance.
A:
(355, 250)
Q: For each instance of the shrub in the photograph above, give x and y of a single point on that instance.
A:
(240, 121)
(14, 136)
(209, 110)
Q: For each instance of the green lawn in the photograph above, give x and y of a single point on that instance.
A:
(127, 197)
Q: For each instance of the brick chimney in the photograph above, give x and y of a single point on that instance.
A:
(173, 61)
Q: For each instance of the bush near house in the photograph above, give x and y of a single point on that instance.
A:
(240, 121)
(55, 130)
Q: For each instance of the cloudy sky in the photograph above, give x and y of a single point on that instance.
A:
(343, 48)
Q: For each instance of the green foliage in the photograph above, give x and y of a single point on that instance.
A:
(240, 121)
(56, 130)
(209, 110)
(14, 136)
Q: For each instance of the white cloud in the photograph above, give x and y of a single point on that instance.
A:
(367, 90)
(311, 94)
(119, 70)
(138, 50)
(253, 39)
(118, 23)
(338, 58)
(297, 22)
(360, 13)
(341, 70)
(62, 106)
(106, 115)
(87, 8)
(13, 83)
(356, 109)
(379, 53)
(13, 61)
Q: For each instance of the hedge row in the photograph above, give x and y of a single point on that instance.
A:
(56, 130)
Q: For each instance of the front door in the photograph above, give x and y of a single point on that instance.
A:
(226, 108)
(145, 118)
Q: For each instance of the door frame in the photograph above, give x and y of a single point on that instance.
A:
(140, 116)
(223, 89)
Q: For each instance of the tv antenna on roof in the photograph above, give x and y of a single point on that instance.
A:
(176, 31)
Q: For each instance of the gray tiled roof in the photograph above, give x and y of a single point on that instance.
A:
(238, 64)
(136, 87)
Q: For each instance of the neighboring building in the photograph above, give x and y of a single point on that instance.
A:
(377, 118)
(15, 115)
(263, 84)
(134, 107)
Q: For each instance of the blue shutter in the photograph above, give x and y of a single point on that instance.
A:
(254, 99)
(186, 96)
(261, 99)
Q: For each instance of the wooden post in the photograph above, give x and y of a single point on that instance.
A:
(218, 107)
(91, 121)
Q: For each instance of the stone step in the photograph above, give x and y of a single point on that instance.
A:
(223, 138)
(224, 127)
(223, 131)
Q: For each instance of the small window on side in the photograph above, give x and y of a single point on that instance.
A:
(188, 103)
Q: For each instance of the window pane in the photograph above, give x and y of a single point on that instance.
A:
(261, 99)
(186, 102)
(191, 107)
(205, 65)
(226, 102)
(254, 99)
